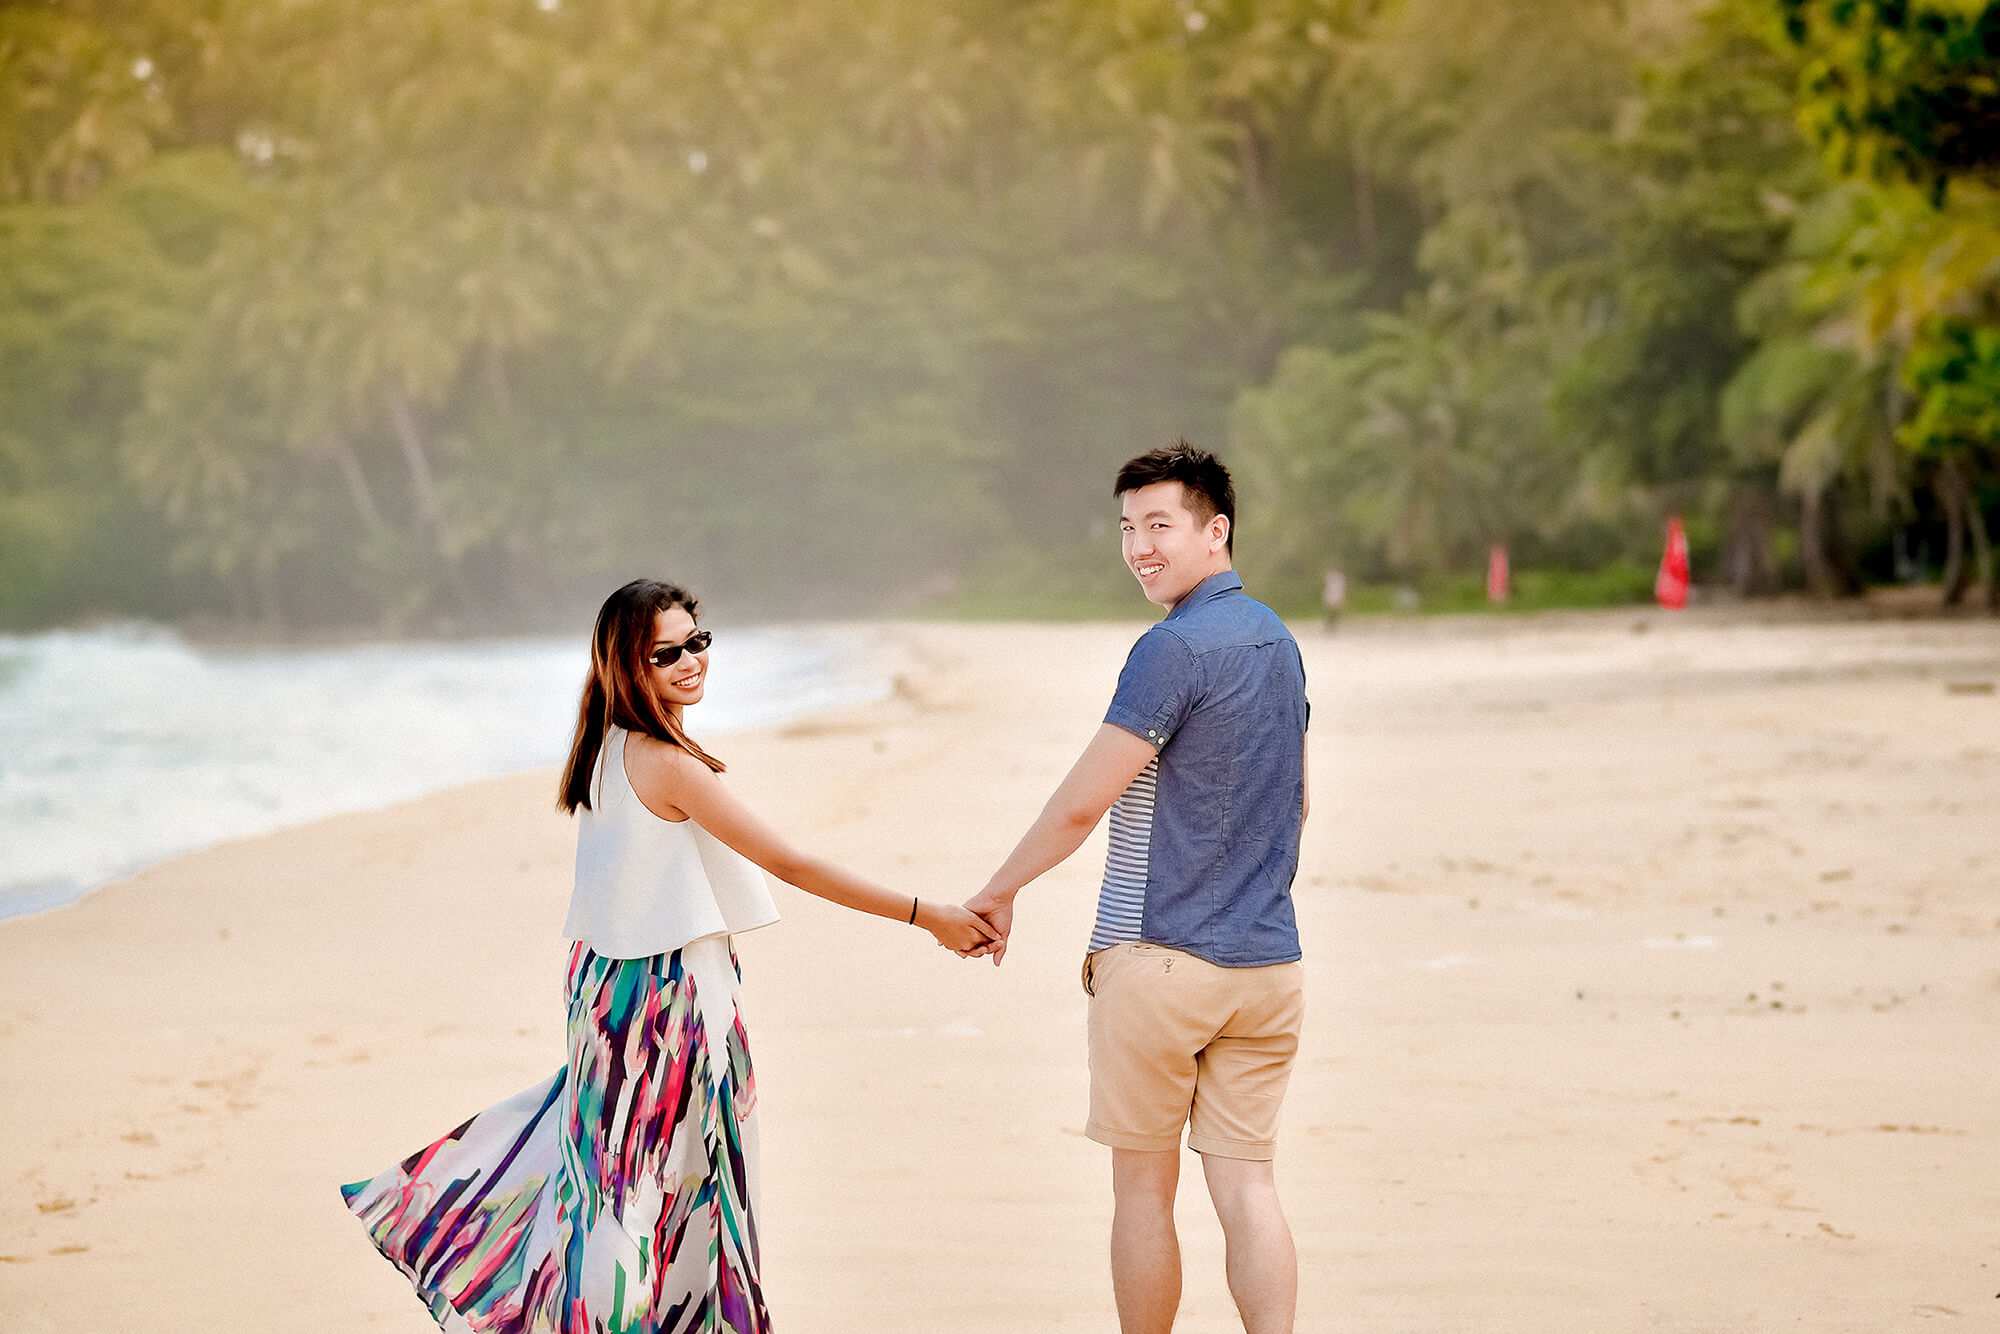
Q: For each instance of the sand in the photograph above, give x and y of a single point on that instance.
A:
(1654, 973)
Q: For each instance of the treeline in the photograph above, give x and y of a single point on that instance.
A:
(442, 312)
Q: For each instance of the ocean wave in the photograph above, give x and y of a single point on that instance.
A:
(125, 745)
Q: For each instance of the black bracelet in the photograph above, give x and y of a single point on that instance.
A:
(913, 910)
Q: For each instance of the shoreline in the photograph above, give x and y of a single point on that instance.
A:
(230, 748)
(1911, 602)
(1643, 968)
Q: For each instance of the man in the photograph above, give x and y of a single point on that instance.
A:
(1193, 974)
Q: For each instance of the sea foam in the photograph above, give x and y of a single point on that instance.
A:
(123, 746)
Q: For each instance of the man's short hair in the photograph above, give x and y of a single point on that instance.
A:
(1200, 473)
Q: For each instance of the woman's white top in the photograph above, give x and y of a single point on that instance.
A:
(649, 886)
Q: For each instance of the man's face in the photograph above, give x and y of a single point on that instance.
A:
(1167, 548)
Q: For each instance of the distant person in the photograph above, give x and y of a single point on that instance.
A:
(1333, 596)
(621, 1192)
(1196, 992)
(1499, 577)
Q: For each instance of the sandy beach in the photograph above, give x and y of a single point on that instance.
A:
(1653, 964)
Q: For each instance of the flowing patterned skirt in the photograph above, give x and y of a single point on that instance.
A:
(617, 1196)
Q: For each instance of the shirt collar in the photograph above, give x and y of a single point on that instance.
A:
(1223, 582)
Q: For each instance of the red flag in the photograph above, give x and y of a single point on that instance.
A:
(1671, 588)
(1496, 574)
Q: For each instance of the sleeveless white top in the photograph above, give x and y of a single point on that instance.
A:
(649, 886)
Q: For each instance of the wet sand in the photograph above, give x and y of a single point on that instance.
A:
(1654, 974)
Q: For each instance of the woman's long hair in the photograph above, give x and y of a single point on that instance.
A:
(618, 691)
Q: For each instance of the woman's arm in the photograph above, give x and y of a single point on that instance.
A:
(668, 779)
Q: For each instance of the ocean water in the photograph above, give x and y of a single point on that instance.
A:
(124, 746)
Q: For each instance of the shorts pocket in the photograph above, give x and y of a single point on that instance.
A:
(1090, 968)
(1099, 964)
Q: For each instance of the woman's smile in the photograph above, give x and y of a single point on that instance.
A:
(679, 653)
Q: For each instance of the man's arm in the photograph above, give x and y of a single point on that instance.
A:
(1106, 768)
(1305, 785)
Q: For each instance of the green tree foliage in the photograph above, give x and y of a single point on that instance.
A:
(1706, 321)
(1954, 369)
(1905, 97)
(1902, 89)
(805, 302)
(1410, 454)
(1955, 366)
(1693, 197)
(429, 314)
(80, 101)
(93, 295)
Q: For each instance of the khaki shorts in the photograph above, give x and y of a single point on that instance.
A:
(1176, 1040)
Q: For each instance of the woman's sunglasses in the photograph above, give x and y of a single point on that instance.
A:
(668, 654)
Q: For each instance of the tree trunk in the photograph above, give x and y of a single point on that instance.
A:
(1887, 458)
(1749, 560)
(985, 183)
(1951, 491)
(264, 588)
(357, 485)
(495, 370)
(403, 422)
(1812, 543)
(1364, 201)
(1982, 551)
(1842, 573)
(1250, 164)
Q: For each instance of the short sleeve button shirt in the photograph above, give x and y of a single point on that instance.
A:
(1205, 842)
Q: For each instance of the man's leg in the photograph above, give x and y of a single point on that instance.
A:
(1145, 1251)
(1263, 1264)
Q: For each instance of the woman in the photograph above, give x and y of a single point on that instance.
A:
(620, 1194)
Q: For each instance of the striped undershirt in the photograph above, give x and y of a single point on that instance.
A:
(1121, 903)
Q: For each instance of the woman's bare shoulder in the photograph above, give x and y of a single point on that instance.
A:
(660, 761)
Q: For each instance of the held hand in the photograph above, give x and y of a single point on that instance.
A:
(998, 915)
(957, 929)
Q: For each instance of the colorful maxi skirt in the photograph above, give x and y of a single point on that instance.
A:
(616, 1196)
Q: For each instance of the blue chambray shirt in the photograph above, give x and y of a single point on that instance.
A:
(1205, 842)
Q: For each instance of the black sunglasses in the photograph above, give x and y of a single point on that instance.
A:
(669, 654)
